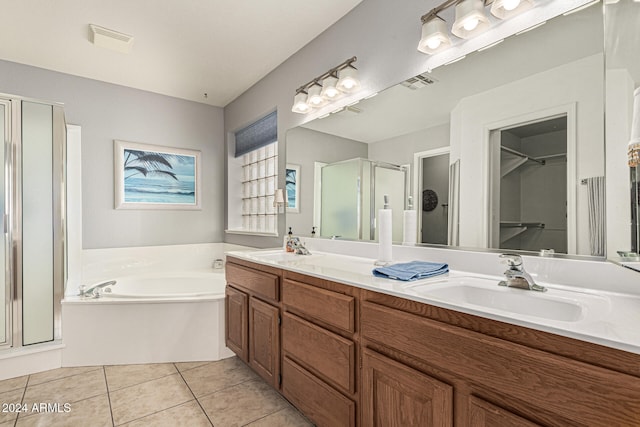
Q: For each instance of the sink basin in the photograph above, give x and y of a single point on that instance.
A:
(485, 293)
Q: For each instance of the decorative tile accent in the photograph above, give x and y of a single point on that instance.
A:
(92, 412)
(67, 390)
(216, 376)
(121, 376)
(242, 404)
(188, 414)
(131, 403)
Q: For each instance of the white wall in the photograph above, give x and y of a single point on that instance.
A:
(400, 149)
(579, 82)
(107, 112)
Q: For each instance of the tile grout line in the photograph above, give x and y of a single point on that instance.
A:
(262, 417)
(142, 382)
(67, 376)
(194, 396)
(104, 372)
(24, 393)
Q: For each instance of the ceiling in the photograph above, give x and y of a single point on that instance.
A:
(181, 48)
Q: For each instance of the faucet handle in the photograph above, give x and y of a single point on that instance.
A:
(512, 260)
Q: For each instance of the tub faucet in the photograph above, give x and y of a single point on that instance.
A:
(96, 290)
(516, 276)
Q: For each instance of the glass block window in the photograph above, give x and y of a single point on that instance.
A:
(259, 179)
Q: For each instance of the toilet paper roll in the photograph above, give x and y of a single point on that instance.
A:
(409, 227)
(385, 228)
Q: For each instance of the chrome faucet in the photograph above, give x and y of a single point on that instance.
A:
(298, 247)
(516, 276)
(96, 290)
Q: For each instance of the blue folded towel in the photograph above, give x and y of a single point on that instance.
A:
(413, 270)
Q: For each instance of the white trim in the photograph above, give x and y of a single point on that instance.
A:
(569, 110)
(417, 181)
(317, 195)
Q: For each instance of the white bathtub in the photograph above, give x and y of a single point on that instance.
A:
(168, 286)
(150, 318)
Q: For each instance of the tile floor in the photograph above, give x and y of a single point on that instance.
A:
(223, 393)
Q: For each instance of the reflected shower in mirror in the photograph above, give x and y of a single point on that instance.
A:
(533, 104)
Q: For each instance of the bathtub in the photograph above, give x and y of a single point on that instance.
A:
(170, 286)
(150, 318)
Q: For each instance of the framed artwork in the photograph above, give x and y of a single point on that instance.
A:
(293, 188)
(155, 177)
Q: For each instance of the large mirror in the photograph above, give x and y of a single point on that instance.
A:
(622, 49)
(503, 150)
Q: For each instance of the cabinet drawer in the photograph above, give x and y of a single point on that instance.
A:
(322, 404)
(327, 354)
(258, 282)
(330, 307)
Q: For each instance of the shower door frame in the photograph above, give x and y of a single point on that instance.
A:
(12, 217)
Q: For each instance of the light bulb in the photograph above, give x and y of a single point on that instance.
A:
(331, 92)
(510, 4)
(434, 43)
(315, 100)
(348, 84)
(470, 24)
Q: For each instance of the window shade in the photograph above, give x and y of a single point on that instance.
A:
(258, 134)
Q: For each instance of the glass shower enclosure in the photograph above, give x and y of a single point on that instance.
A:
(352, 192)
(32, 208)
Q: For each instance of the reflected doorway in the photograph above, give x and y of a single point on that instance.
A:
(433, 196)
(529, 186)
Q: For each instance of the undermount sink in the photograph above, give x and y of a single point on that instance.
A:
(485, 293)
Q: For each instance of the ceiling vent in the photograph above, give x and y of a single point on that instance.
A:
(419, 81)
(110, 39)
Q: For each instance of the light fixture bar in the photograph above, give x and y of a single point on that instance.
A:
(318, 80)
(327, 87)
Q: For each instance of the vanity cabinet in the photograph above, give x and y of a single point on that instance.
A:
(499, 374)
(252, 327)
(320, 349)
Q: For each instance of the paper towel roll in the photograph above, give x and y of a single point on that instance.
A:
(385, 228)
(409, 227)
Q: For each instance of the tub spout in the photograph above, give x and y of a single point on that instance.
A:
(96, 290)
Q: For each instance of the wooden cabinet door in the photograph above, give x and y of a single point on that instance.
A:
(485, 414)
(394, 395)
(264, 340)
(236, 317)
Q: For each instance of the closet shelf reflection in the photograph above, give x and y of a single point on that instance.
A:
(515, 228)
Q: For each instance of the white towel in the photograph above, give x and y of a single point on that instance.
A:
(595, 200)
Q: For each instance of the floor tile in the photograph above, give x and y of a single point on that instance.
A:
(56, 374)
(67, 390)
(92, 412)
(121, 376)
(185, 366)
(242, 404)
(144, 399)
(216, 376)
(188, 414)
(13, 384)
(11, 397)
(288, 417)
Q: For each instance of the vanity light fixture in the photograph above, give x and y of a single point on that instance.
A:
(327, 87)
(300, 103)
(435, 36)
(505, 9)
(470, 20)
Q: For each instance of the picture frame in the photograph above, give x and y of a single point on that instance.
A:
(292, 188)
(150, 176)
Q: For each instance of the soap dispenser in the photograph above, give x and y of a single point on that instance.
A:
(287, 241)
(409, 224)
(385, 228)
